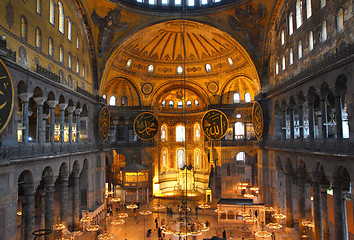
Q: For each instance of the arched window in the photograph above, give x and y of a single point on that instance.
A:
(179, 70)
(170, 104)
(164, 158)
(181, 158)
(231, 63)
(196, 103)
(208, 67)
(104, 96)
(204, 2)
(196, 132)
(324, 31)
(70, 61)
(308, 8)
(299, 50)
(241, 156)
(248, 97)
(70, 27)
(77, 66)
(61, 54)
(298, 13)
(239, 130)
(291, 24)
(291, 56)
(113, 101)
(340, 20)
(61, 17)
(163, 133)
(51, 12)
(23, 28)
(83, 70)
(236, 98)
(180, 133)
(310, 41)
(283, 63)
(163, 103)
(151, 69)
(197, 159)
(124, 100)
(39, 7)
(190, 3)
(50, 47)
(38, 38)
(152, 2)
(323, 3)
(189, 103)
(178, 2)
(77, 42)
(179, 104)
(276, 67)
(129, 63)
(164, 2)
(282, 37)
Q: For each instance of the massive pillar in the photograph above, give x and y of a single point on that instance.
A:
(64, 201)
(317, 205)
(76, 202)
(301, 198)
(39, 101)
(52, 104)
(62, 107)
(49, 204)
(41, 195)
(28, 210)
(289, 199)
(340, 218)
(325, 219)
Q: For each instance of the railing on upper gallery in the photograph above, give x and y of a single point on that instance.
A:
(8, 53)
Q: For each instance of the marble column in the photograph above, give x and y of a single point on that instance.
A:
(64, 201)
(62, 107)
(291, 118)
(52, 105)
(340, 218)
(301, 118)
(339, 124)
(317, 205)
(324, 116)
(39, 101)
(325, 219)
(41, 194)
(76, 202)
(289, 200)
(284, 123)
(70, 122)
(49, 205)
(28, 210)
(311, 116)
(78, 112)
(302, 202)
(25, 121)
(45, 118)
(114, 137)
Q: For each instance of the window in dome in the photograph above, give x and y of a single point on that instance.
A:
(204, 2)
(324, 31)
(61, 17)
(61, 54)
(112, 101)
(38, 38)
(179, 104)
(291, 24)
(283, 63)
(248, 97)
(104, 96)
(179, 70)
(152, 2)
(239, 130)
(150, 68)
(124, 100)
(231, 63)
(23, 30)
(77, 42)
(276, 67)
(236, 98)
(39, 7)
(310, 41)
(178, 2)
(323, 3)
(196, 132)
(50, 47)
(170, 104)
(298, 13)
(238, 116)
(189, 103)
(70, 61)
(241, 156)
(129, 63)
(163, 133)
(282, 36)
(70, 28)
(139, 1)
(190, 3)
(180, 133)
(216, 1)
(77, 66)
(164, 2)
(51, 12)
(208, 67)
(291, 56)
(340, 20)
(299, 50)
(308, 8)
(181, 158)
(196, 103)
(163, 104)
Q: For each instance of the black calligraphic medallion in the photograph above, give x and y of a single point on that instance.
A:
(6, 96)
(104, 123)
(146, 126)
(257, 119)
(214, 124)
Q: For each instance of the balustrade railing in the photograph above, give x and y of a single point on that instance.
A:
(46, 73)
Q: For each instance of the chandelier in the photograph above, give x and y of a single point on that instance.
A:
(273, 226)
(132, 206)
(184, 226)
(93, 228)
(105, 236)
(123, 215)
(117, 222)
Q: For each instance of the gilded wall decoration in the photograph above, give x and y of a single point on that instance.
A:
(6, 96)
(104, 123)
(9, 14)
(257, 119)
(146, 126)
(213, 87)
(147, 88)
(214, 124)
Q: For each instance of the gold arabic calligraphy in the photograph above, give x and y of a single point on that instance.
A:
(145, 126)
(214, 124)
(6, 96)
(103, 123)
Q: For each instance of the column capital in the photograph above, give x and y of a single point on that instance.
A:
(62, 106)
(78, 111)
(115, 122)
(25, 96)
(52, 103)
(39, 100)
(70, 109)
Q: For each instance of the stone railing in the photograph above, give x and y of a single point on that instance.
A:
(232, 143)
(330, 146)
(46, 73)
(85, 93)
(7, 52)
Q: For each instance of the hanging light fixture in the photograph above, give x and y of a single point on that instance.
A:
(123, 215)
(117, 222)
(274, 226)
(204, 206)
(268, 209)
(132, 206)
(263, 234)
(93, 228)
(105, 236)
(278, 216)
